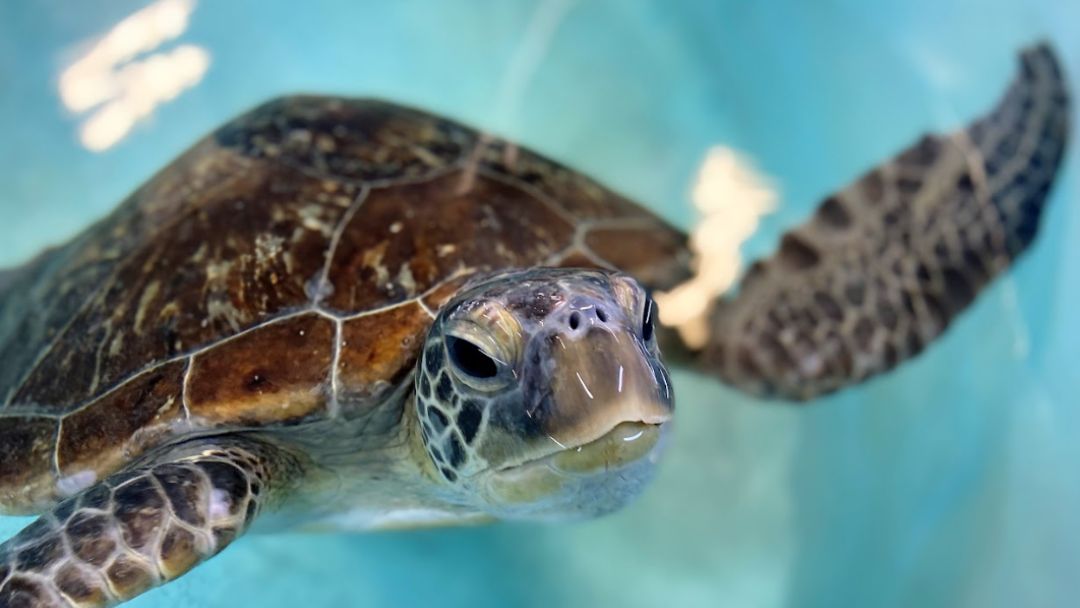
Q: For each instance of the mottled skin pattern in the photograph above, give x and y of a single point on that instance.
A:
(160, 370)
(886, 264)
(148, 524)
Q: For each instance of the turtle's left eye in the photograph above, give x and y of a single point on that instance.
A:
(470, 359)
(648, 320)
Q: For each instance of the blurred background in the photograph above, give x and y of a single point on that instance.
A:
(951, 482)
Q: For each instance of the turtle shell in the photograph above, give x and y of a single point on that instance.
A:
(283, 270)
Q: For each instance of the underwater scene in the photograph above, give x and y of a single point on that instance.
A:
(949, 481)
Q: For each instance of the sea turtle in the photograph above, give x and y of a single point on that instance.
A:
(350, 313)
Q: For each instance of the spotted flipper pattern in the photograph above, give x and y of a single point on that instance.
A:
(144, 526)
(884, 266)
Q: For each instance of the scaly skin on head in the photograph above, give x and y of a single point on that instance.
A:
(537, 384)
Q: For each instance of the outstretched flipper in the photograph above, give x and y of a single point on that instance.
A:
(884, 266)
(144, 526)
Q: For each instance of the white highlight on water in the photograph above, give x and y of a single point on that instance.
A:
(118, 88)
(732, 197)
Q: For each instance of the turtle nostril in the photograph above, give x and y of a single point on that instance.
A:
(601, 315)
(575, 320)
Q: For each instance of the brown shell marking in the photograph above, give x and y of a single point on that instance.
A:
(413, 236)
(136, 414)
(378, 349)
(273, 374)
(26, 448)
(182, 290)
(351, 221)
(656, 255)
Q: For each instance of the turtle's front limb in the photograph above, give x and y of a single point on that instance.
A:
(886, 264)
(144, 526)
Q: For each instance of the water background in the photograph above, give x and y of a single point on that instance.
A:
(952, 482)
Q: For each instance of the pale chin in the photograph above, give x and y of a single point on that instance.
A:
(578, 483)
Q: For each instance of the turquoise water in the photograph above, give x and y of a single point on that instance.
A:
(952, 482)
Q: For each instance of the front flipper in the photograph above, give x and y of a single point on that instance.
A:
(143, 527)
(884, 266)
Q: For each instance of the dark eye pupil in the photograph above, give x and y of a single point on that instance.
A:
(470, 359)
(647, 320)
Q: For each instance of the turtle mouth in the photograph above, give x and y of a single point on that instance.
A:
(626, 443)
(629, 446)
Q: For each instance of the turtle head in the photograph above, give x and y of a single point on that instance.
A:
(541, 393)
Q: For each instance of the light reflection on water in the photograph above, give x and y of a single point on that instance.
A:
(123, 89)
(948, 483)
(730, 197)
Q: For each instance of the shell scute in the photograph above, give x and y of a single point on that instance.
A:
(26, 447)
(101, 435)
(409, 238)
(378, 350)
(216, 269)
(580, 196)
(363, 140)
(278, 373)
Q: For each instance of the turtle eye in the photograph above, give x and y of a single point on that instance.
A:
(470, 359)
(647, 320)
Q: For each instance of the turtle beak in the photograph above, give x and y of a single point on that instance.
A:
(604, 417)
(602, 380)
